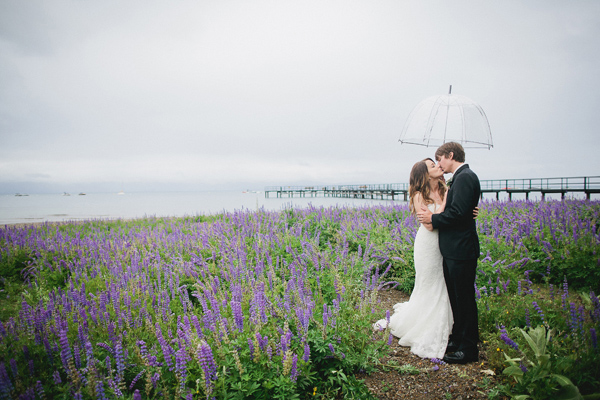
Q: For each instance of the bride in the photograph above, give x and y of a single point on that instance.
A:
(425, 321)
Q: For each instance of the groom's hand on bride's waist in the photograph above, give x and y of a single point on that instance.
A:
(424, 215)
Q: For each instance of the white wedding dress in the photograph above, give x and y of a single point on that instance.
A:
(425, 321)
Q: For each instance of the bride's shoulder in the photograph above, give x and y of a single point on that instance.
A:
(418, 200)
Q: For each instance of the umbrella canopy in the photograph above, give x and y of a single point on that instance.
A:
(448, 118)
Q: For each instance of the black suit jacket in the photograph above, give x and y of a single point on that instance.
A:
(457, 229)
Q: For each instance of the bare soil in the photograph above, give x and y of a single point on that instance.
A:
(457, 382)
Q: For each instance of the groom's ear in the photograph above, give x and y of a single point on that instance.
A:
(451, 156)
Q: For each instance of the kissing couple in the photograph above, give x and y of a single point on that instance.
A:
(440, 318)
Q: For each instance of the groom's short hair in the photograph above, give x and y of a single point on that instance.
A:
(458, 153)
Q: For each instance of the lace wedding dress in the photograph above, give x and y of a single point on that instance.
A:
(425, 321)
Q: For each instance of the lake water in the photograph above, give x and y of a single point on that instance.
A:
(57, 207)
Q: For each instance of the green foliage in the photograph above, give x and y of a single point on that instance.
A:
(534, 372)
(141, 274)
(12, 264)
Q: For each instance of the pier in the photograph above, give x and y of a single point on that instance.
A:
(580, 184)
(399, 191)
(390, 191)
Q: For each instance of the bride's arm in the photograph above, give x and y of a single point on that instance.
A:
(420, 204)
(418, 201)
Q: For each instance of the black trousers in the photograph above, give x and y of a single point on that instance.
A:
(460, 281)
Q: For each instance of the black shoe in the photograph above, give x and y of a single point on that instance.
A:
(460, 357)
(451, 347)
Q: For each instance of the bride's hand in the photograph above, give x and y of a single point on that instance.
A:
(475, 212)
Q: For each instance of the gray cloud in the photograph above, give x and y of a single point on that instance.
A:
(277, 92)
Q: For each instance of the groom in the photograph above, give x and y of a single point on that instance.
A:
(459, 245)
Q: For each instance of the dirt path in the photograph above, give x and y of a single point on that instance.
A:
(471, 381)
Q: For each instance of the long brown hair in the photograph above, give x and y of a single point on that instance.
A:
(419, 183)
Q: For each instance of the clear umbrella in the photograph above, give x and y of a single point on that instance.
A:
(447, 118)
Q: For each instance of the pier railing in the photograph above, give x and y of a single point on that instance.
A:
(384, 191)
(393, 191)
(385, 186)
(581, 184)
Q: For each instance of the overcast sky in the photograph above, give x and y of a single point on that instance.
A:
(232, 94)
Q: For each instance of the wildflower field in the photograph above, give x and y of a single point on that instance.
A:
(280, 305)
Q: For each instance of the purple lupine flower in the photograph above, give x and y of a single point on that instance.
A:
(565, 293)
(294, 370)
(262, 341)
(65, 349)
(205, 357)
(196, 324)
(523, 368)
(260, 301)
(120, 362)
(288, 338)
(509, 341)
(39, 389)
(13, 367)
(251, 348)
(306, 355)
(143, 348)
(137, 378)
(154, 379)
(167, 350)
(596, 301)
(181, 359)
(390, 339)
(331, 348)
(538, 309)
(105, 347)
(236, 308)
(49, 350)
(6, 385)
(574, 319)
(304, 318)
(137, 395)
(56, 378)
(487, 258)
(113, 385)
(527, 320)
(581, 318)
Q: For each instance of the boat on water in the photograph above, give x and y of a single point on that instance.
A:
(20, 194)
(82, 194)
(66, 194)
(121, 192)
